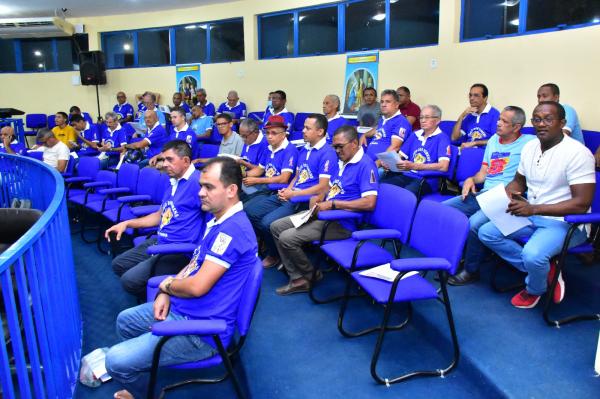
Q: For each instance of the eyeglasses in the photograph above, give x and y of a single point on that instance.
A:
(339, 147)
(546, 121)
(424, 118)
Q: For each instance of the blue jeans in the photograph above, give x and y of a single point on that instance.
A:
(129, 362)
(475, 251)
(546, 240)
(409, 183)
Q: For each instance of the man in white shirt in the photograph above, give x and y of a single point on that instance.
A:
(56, 153)
(559, 176)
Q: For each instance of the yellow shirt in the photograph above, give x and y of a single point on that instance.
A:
(65, 134)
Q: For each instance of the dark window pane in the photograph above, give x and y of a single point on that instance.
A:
(64, 48)
(365, 25)
(543, 14)
(7, 60)
(414, 23)
(318, 31)
(190, 44)
(490, 17)
(118, 49)
(153, 47)
(277, 36)
(37, 55)
(227, 41)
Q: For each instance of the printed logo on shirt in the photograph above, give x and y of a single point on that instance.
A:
(270, 171)
(326, 166)
(477, 134)
(168, 213)
(448, 151)
(379, 134)
(372, 179)
(304, 175)
(499, 161)
(421, 155)
(188, 139)
(193, 265)
(291, 163)
(335, 189)
(221, 243)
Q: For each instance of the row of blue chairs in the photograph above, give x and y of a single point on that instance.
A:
(34, 122)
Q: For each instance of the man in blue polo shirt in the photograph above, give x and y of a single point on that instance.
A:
(234, 106)
(156, 136)
(353, 187)
(9, 144)
(179, 103)
(427, 149)
(393, 128)
(278, 101)
(500, 162)
(209, 287)
(202, 101)
(255, 145)
(331, 110)
(477, 123)
(551, 92)
(179, 220)
(201, 124)
(87, 135)
(113, 139)
(181, 131)
(123, 108)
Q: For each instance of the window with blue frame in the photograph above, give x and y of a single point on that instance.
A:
(365, 25)
(37, 55)
(118, 49)
(414, 23)
(277, 36)
(8, 61)
(190, 43)
(486, 18)
(318, 31)
(544, 14)
(153, 47)
(227, 41)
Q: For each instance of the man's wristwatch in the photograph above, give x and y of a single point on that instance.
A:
(333, 205)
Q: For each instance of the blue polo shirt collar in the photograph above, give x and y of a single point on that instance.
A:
(387, 119)
(421, 134)
(259, 138)
(317, 146)
(282, 147)
(355, 159)
(183, 129)
(238, 207)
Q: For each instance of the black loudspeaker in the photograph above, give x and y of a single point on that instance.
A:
(92, 68)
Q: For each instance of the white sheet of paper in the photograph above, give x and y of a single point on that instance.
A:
(96, 362)
(301, 218)
(385, 272)
(390, 158)
(493, 203)
(364, 129)
(597, 363)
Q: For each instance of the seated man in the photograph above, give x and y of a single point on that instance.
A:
(255, 145)
(354, 188)
(179, 220)
(210, 286)
(500, 162)
(141, 105)
(391, 131)
(123, 108)
(331, 110)
(88, 137)
(477, 123)
(179, 103)
(231, 142)
(181, 131)
(313, 172)
(426, 149)
(370, 109)
(278, 101)
(56, 153)
(558, 174)
(551, 92)
(149, 100)
(202, 101)
(410, 110)
(156, 136)
(9, 143)
(202, 124)
(112, 140)
(234, 106)
(62, 131)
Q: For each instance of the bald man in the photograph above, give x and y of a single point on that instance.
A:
(9, 143)
(234, 106)
(331, 110)
(123, 108)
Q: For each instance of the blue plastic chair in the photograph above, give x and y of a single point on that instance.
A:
(446, 127)
(439, 233)
(429, 177)
(50, 121)
(34, 122)
(390, 221)
(528, 130)
(213, 327)
(257, 116)
(592, 140)
(87, 170)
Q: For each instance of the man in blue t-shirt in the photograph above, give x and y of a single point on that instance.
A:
(278, 101)
(551, 92)
(209, 287)
(201, 123)
(123, 108)
(88, 137)
(255, 145)
(427, 149)
(202, 101)
(234, 106)
(331, 110)
(9, 144)
(352, 187)
(179, 220)
(181, 131)
(156, 136)
(477, 123)
(112, 140)
(179, 103)
(391, 131)
(500, 162)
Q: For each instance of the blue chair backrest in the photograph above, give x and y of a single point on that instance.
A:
(70, 166)
(296, 135)
(163, 184)
(395, 209)
(209, 151)
(107, 175)
(88, 167)
(439, 231)
(39, 155)
(528, 130)
(596, 200)
(87, 117)
(127, 176)
(215, 137)
(147, 181)
(299, 121)
(447, 126)
(453, 161)
(50, 121)
(249, 297)
(592, 140)
(469, 163)
(257, 116)
(35, 121)
(352, 122)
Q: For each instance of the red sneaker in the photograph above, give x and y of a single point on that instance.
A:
(559, 290)
(525, 300)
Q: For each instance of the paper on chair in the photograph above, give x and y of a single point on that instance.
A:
(494, 203)
(390, 158)
(385, 272)
(302, 217)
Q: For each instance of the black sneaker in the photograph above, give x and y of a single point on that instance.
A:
(463, 278)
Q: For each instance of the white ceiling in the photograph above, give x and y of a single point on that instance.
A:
(87, 8)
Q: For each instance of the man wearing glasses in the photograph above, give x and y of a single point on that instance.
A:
(427, 149)
(353, 187)
(231, 142)
(255, 144)
(477, 123)
(558, 175)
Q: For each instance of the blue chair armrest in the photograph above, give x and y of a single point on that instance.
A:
(134, 198)
(300, 198)
(419, 264)
(66, 175)
(114, 190)
(277, 186)
(165, 249)
(339, 214)
(189, 327)
(583, 218)
(144, 210)
(427, 174)
(94, 184)
(78, 179)
(376, 234)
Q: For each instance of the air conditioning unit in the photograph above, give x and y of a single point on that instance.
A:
(23, 28)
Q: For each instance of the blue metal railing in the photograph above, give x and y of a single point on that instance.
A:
(40, 342)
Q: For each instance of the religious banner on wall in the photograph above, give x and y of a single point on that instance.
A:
(361, 72)
(188, 79)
